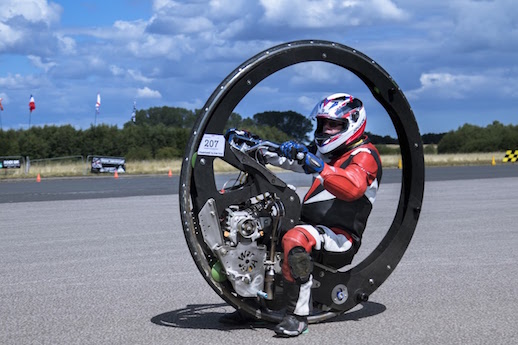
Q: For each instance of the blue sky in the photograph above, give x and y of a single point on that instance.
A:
(455, 60)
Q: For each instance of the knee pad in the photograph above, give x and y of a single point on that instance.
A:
(301, 264)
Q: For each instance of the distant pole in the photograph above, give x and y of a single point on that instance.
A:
(97, 107)
(30, 113)
(134, 113)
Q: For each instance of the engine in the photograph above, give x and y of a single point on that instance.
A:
(240, 239)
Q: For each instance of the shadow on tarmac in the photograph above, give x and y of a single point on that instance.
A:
(206, 316)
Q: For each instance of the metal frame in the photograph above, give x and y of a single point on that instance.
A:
(364, 278)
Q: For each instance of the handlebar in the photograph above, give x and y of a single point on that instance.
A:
(250, 144)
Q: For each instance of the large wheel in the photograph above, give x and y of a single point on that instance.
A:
(339, 292)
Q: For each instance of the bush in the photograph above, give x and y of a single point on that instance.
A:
(168, 153)
(139, 153)
(430, 149)
(388, 150)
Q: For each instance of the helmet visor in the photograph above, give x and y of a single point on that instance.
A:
(328, 127)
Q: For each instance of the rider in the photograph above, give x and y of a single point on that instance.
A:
(347, 172)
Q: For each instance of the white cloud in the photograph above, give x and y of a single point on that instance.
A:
(34, 11)
(195, 103)
(172, 17)
(386, 9)
(95, 62)
(146, 92)
(125, 37)
(209, 8)
(321, 73)
(329, 13)
(239, 50)
(447, 86)
(314, 72)
(306, 102)
(228, 8)
(8, 36)
(37, 61)
(210, 21)
(485, 24)
(18, 18)
(116, 70)
(131, 73)
(176, 24)
(153, 46)
(123, 30)
(19, 82)
(137, 75)
(440, 49)
(159, 5)
(66, 44)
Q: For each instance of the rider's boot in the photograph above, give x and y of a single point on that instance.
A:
(292, 325)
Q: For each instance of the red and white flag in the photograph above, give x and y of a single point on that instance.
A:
(32, 105)
(98, 103)
(1, 106)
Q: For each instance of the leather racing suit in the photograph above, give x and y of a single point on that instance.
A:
(334, 215)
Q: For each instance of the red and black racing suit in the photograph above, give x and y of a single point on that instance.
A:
(334, 216)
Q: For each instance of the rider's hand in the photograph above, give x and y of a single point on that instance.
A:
(293, 150)
(310, 163)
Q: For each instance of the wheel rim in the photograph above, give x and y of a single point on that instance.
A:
(364, 278)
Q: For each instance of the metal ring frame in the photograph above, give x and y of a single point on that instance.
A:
(367, 276)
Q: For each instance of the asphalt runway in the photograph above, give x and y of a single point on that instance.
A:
(106, 186)
(117, 270)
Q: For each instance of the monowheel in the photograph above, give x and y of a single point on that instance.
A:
(232, 232)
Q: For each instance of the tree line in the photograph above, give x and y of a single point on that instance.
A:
(155, 133)
(495, 137)
(163, 133)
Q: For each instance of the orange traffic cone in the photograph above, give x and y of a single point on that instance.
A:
(38, 178)
(170, 174)
(116, 175)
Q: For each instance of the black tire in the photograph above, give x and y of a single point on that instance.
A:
(364, 278)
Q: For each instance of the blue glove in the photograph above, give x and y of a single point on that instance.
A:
(293, 150)
(310, 163)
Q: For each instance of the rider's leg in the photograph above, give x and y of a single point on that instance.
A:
(337, 247)
(297, 266)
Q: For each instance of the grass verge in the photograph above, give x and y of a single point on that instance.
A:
(159, 167)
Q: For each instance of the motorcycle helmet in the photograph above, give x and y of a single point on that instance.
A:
(344, 108)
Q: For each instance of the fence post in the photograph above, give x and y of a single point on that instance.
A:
(86, 164)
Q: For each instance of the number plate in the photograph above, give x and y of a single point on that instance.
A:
(212, 145)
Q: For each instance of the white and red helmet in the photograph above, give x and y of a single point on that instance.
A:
(346, 109)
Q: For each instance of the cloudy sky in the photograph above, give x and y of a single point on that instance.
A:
(455, 60)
